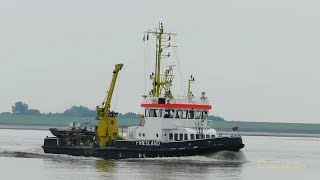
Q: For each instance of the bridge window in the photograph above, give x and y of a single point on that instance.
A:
(191, 115)
(153, 113)
(160, 112)
(191, 136)
(146, 113)
(168, 113)
(212, 136)
(184, 114)
(207, 135)
(178, 113)
(185, 136)
(197, 115)
(181, 137)
(176, 136)
(170, 136)
(204, 114)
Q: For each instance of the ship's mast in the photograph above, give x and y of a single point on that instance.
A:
(161, 38)
(189, 95)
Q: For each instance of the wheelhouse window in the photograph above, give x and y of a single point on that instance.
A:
(191, 115)
(191, 136)
(153, 113)
(184, 114)
(168, 113)
(146, 113)
(181, 137)
(204, 114)
(160, 112)
(178, 113)
(198, 136)
(197, 115)
(212, 136)
(170, 136)
(176, 136)
(207, 135)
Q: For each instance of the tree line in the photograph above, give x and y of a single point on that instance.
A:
(21, 108)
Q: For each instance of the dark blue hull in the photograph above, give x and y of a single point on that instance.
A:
(139, 149)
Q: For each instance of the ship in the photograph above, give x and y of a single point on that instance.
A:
(168, 127)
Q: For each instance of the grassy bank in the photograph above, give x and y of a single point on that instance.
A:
(301, 128)
(62, 121)
(46, 120)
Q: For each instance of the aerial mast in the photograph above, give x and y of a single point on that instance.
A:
(161, 38)
(189, 95)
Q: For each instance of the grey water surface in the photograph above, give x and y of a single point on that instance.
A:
(264, 157)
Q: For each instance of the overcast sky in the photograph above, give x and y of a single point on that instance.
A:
(256, 60)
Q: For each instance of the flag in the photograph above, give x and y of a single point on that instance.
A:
(235, 128)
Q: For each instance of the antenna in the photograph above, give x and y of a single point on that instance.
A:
(189, 95)
(162, 42)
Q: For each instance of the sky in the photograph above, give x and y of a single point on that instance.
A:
(256, 60)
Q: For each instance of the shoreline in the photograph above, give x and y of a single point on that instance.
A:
(273, 134)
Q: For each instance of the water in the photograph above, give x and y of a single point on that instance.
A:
(21, 157)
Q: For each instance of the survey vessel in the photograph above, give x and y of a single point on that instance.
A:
(169, 126)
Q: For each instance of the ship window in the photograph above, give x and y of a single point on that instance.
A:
(153, 112)
(185, 136)
(202, 136)
(160, 112)
(143, 134)
(139, 134)
(204, 114)
(165, 134)
(191, 136)
(157, 135)
(146, 113)
(197, 115)
(208, 136)
(191, 115)
(170, 136)
(181, 137)
(176, 136)
(178, 113)
(184, 114)
(198, 136)
(212, 136)
(168, 113)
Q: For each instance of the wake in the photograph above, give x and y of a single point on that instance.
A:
(221, 157)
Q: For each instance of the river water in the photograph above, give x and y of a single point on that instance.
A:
(263, 157)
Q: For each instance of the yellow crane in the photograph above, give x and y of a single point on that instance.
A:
(107, 120)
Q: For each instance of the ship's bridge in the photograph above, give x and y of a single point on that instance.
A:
(164, 118)
(194, 102)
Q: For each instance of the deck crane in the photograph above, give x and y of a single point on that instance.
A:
(107, 120)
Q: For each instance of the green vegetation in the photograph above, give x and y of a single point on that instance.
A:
(271, 127)
(21, 115)
(54, 120)
(21, 108)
